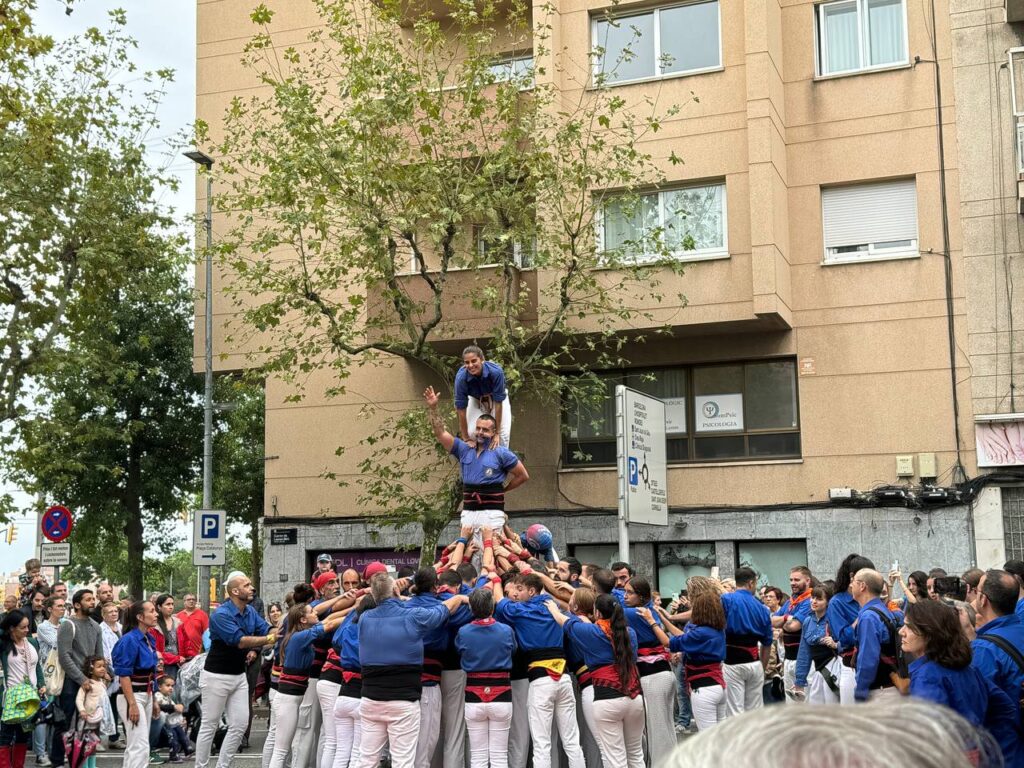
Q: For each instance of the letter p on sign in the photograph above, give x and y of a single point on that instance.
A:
(210, 527)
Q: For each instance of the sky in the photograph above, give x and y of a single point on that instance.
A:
(166, 33)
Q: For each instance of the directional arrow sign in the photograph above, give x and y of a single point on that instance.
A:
(208, 537)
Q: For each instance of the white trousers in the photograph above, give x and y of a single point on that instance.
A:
(348, 728)
(228, 696)
(396, 723)
(818, 691)
(305, 747)
(619, 730)
(430, 724)
(553, 700)
(327, 693)
(708, 704)
(588, 728)
(847, 685)
(487, 726)
(884, 694)
(453, 718)
(136, 753)
(268, 745)
(789, 679)
(660, 697)
(474, 412)
(519, 733)
(744, 687)
(287, 707)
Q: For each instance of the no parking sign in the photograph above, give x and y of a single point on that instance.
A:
(57, 523)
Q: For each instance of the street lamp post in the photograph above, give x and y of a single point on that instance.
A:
(204, 570)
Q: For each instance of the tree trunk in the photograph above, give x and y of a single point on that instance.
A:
(133, 522)
(257, 548)
(434, 525)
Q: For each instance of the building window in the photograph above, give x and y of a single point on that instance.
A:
(866, 222)
(511, 68)
(672, 40)
(689, 223)
(772, 560)
(678, 562)
(859, 35)
(495, 252)
(598, 554)
(712, 413)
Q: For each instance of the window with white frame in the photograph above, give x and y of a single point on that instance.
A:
(864, 222)
(670, 40)
(514, 68)
(858, 35)
(689, 222)
(497, 251)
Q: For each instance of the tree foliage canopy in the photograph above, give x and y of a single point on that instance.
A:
(398, 189)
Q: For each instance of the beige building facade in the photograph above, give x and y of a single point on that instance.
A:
(817, 303)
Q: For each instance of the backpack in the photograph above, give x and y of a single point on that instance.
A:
(1018, 659)
(898, 673)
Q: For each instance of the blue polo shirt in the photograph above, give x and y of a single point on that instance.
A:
(701, 644)
(490, 467)
(491, 381)
(135, 656)
(746, 615)
(534, 626)
(485, 646)
(994, 663)
(841, 614)
(872, 635)
(228, 626)
(593, 644)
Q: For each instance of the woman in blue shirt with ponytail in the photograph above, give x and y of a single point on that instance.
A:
(297, 656)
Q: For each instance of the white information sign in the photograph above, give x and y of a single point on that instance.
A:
(208, 536)
(718, 413)
(675, 415)
(643, 470)
(55, 554)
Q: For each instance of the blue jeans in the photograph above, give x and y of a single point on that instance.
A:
(39, 740)
(685, 714)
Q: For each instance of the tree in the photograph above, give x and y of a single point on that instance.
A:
(238, 460)
(394, 169)
(117, 425)
(75, 189)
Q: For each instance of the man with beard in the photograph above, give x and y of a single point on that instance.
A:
(236, 633)
(790, 617)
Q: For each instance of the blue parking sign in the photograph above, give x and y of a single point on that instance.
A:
(634, 471)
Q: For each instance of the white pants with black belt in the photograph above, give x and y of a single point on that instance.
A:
(487, 725)
(818, 690)
(553, 700)
(453, 718)
(136, 753)
(396, 723)
(744, 687)
(519, 733)
(619, 730)
(430, 724)
(348, 729)
(222, 695)
(659, 692)
(287, 708)
(308, 729)
(327, 694)
(847, 685)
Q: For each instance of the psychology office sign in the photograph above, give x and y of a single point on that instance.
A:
(718, 413)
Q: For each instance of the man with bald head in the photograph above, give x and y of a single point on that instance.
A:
(350, 580)
(877, 635)
(237, 632)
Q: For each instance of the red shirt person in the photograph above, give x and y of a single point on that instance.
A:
(194, 622)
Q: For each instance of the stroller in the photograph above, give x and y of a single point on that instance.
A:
(189, 676)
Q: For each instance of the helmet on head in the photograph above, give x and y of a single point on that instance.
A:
(538, 537)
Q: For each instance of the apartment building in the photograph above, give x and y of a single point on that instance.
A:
(826, 303)
(988, 82)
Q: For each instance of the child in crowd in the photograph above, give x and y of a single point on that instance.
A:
(174, 721)
(30, 581)
(90, 703)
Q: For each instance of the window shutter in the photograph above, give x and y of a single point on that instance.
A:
(869, 213)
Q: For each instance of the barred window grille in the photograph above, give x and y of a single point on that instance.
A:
(1013, 522)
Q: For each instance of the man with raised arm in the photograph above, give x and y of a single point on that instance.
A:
(487, 473)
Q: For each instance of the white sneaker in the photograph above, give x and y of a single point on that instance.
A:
(43, 760)
(101, 747)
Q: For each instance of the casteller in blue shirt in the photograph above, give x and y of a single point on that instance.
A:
(228, 625)
(489, 383)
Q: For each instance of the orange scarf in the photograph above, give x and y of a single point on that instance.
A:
(606, 626)
(795, 601)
